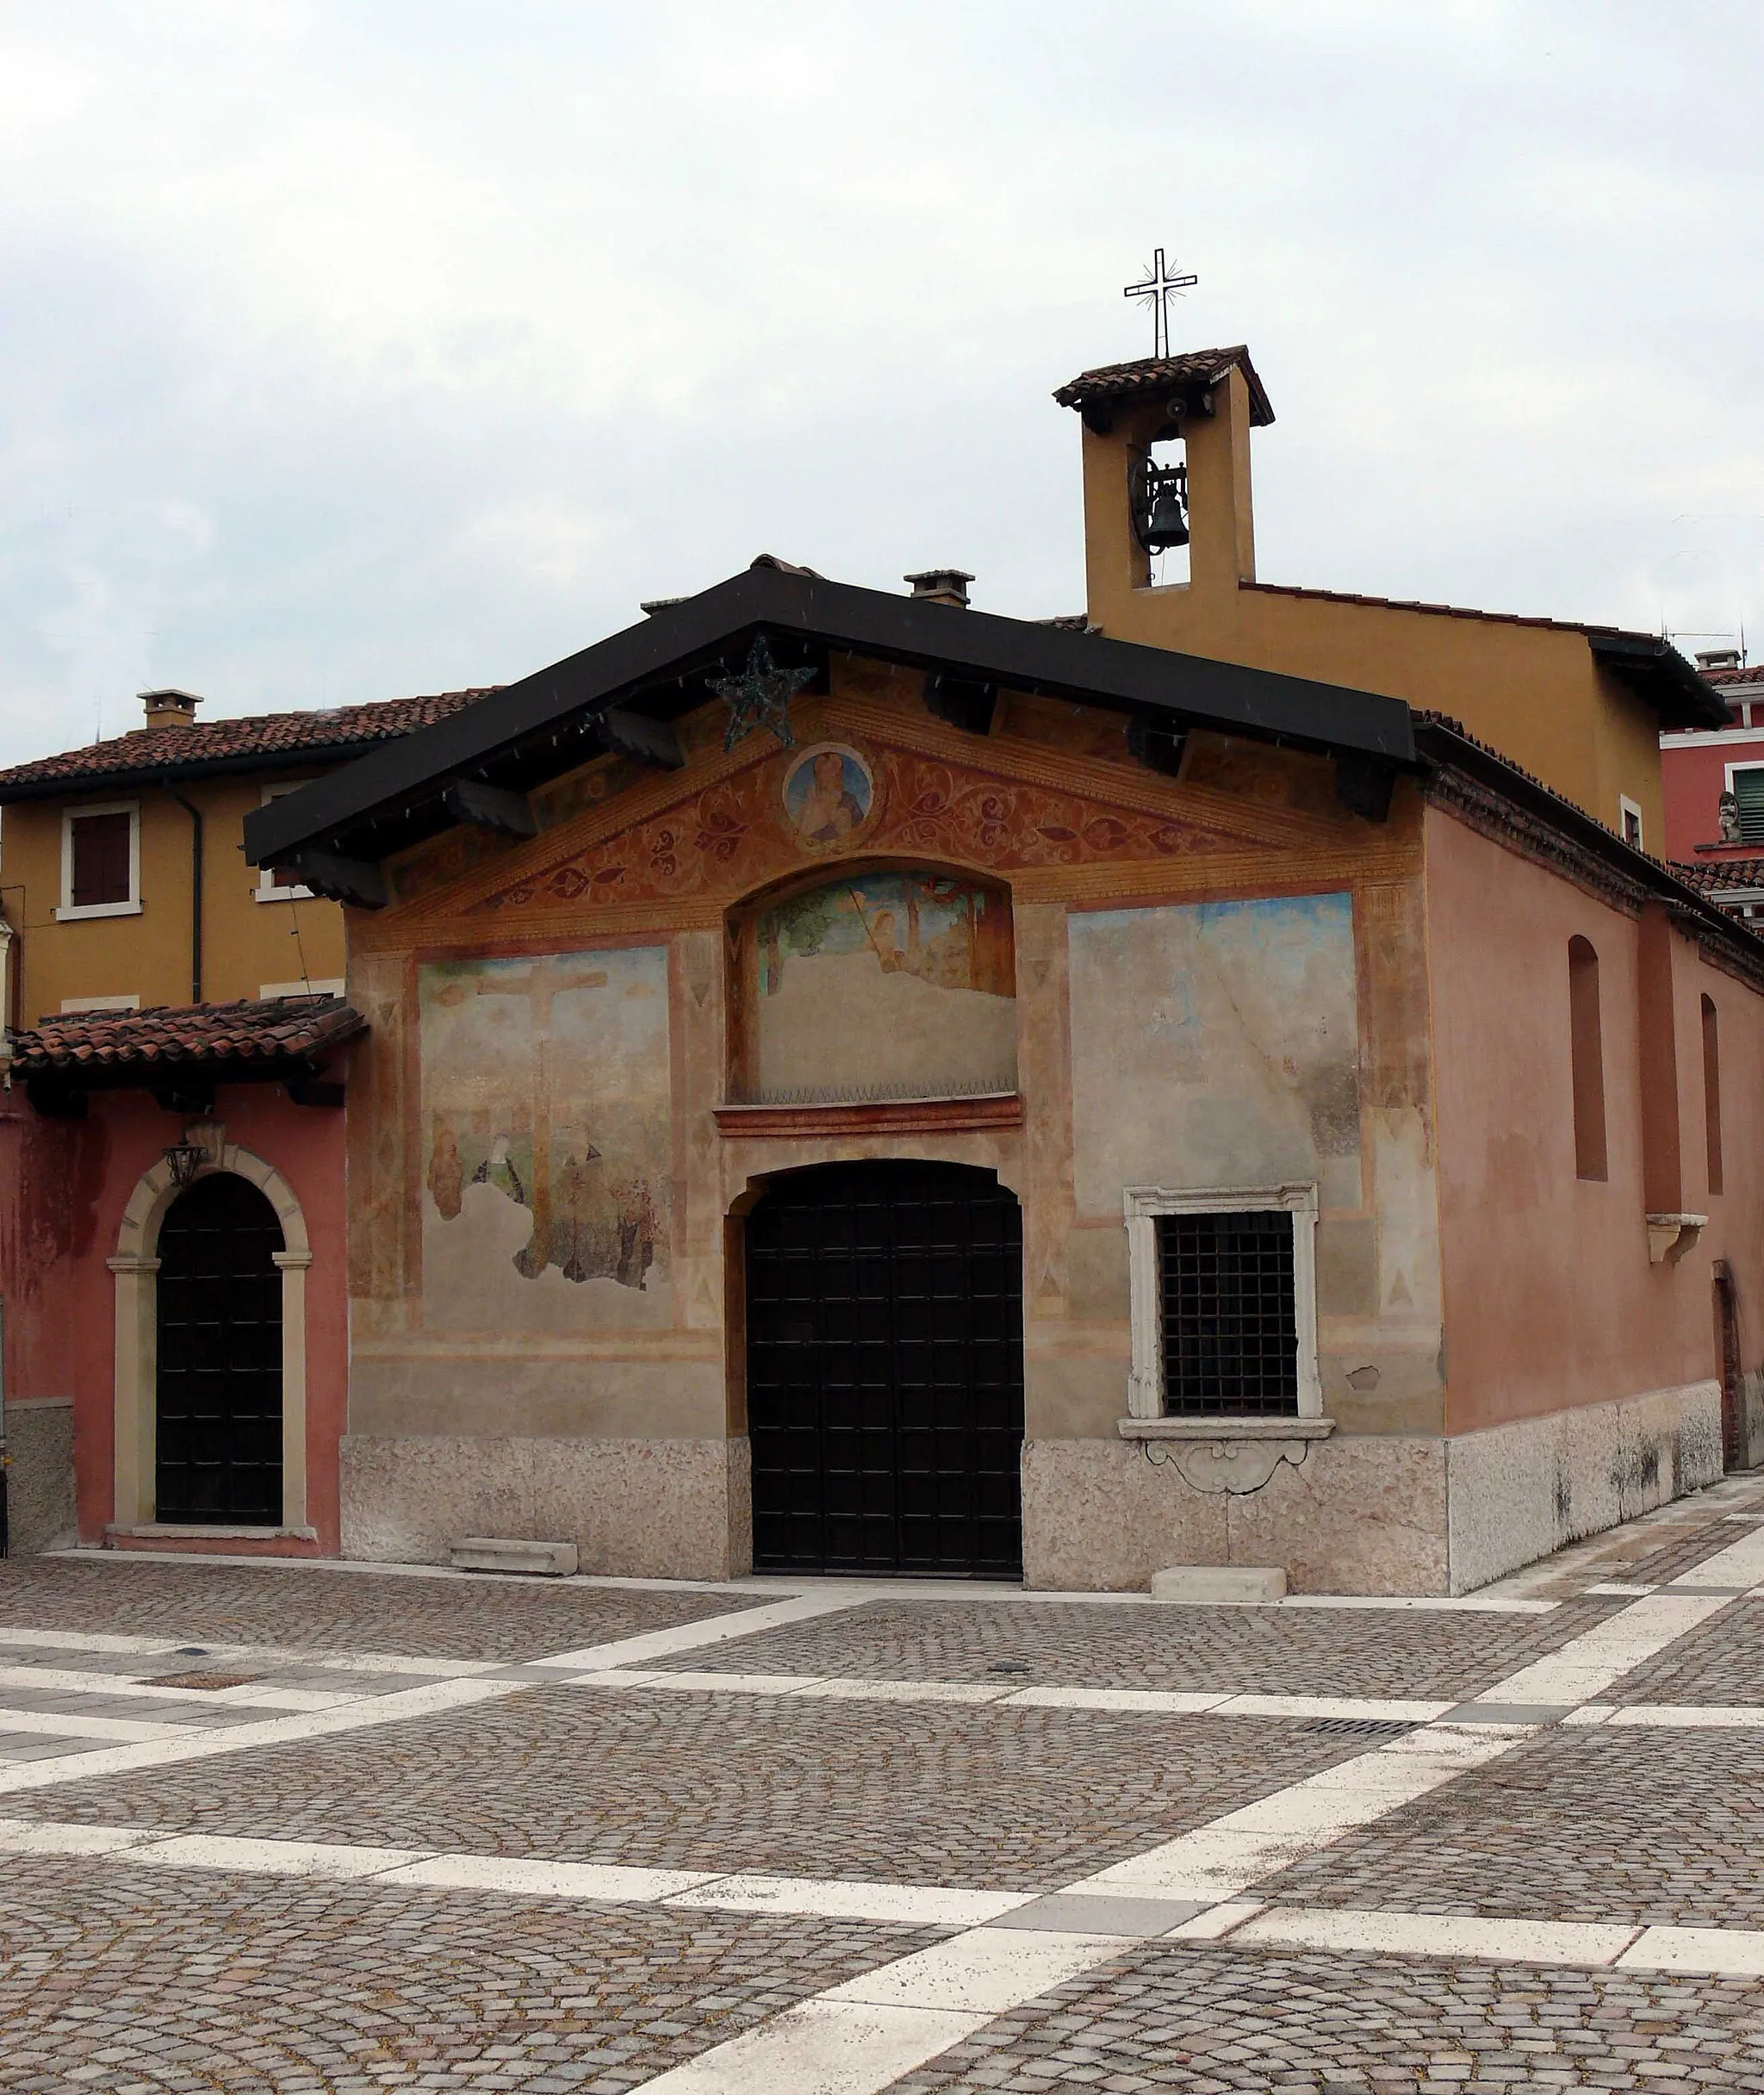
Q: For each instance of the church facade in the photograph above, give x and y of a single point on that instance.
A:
(850, 1084)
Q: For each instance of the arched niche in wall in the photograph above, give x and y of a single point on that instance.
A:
(873, 982)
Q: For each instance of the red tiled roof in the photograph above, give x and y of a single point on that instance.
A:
(1711, 876)
(276, 739)
(274, 1030)
(1152, 374)
(1752, 674)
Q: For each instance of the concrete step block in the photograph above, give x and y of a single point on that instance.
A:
(1220, 1585)
(504, 1553)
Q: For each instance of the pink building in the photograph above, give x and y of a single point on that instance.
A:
(1712, 783)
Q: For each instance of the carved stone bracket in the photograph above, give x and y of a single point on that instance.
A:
(1670, 1236)
(1237, 1456)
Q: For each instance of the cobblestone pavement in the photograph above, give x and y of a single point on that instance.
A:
(534, 1882)
(342, 1611)
(925, 1794)
(1210, 2020)
(1644, 1825)
(170, 1980)
(1316, 1651)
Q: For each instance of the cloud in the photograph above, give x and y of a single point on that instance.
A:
(351, 352)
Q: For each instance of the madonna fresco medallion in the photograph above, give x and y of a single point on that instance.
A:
(828, 795)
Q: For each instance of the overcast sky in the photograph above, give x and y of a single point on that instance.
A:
(351, 348)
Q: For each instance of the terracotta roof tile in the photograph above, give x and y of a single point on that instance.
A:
(1712, 876)
(276, 737)
(273, 1030)
(1154, 375)
(1753, 673)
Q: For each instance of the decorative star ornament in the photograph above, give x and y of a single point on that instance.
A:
(759, 695)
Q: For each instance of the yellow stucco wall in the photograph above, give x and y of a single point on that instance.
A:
(245, 943)
(1534, 693)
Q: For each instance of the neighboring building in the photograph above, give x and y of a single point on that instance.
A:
(124, 890)
(844, 1082)
(123, 882)
(1166, 465)
(1712, 780)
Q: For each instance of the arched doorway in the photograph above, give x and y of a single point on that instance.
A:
(886, 1372)
(218, 1379)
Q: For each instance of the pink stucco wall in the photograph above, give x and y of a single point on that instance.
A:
(63, 1188)
(1550, 1300)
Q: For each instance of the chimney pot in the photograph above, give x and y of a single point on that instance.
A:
(941, 586)
(1717, 658)
(170, 708)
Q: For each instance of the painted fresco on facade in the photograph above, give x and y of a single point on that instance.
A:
(887, 983)
(1216, 1044)
(546, 1139)
(827, 795)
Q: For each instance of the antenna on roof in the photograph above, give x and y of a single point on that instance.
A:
(1157, 291)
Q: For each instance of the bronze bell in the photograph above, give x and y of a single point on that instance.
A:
(1166, 526)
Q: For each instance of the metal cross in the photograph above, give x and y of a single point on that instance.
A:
(1155, 292)
(759, 695)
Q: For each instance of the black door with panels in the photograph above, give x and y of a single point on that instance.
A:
(219, 1393)
(886, 1372)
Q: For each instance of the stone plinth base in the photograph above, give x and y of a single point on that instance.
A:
(632, 1508)
(40, 1510)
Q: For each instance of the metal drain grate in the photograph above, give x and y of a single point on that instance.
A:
(1359, 1727)
(211, 1682)
(1010, 1665)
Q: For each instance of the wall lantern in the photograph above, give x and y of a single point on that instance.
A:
(184, 1158)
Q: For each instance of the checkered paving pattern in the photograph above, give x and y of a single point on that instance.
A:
(342, 1611)
(1314, 1652)
(1720, 1665)
(1664, 1827)
(1021, 1798)
(928, 1893)
(1216, 2022)
(174, 1981)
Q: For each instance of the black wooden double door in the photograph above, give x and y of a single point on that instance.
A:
(219, 1397)
(886, 1372)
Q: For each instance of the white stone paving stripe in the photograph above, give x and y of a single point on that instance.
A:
(1592, 1661)
(988, 1971)
(1156, 1701)
(56, 1679)
(695, 1636)
(282, 1858)
(913, 1905)
(822, 2048)
(1675, 1717)
(36, 1837)
(1497, 1940)
(56, 1724)
(84, 1640)
(1470, 1604)
(1740, 1564)
(1225, 1857)
(1719, 1952)
(537, 1879)
(438, 1699)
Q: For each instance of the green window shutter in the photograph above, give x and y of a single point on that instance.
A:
(1748, 791)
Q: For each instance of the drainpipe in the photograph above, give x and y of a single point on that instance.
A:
(196, 888)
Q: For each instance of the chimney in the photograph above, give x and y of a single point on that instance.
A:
(941, 586)
(170, 708)
(1718, 658)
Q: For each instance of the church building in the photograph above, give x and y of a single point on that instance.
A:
(834, 1081)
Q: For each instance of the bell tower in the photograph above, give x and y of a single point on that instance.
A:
(1166, 463)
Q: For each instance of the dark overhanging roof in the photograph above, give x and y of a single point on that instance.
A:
(392, 795)
(1658, 674)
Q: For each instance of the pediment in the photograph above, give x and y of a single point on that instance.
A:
(730, 823)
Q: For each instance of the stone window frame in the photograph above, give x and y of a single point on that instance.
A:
(68, 910)
(1141, 1207)
(135, 1265)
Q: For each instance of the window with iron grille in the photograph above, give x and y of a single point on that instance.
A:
(1230, 1339)
(1222, 1301)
